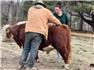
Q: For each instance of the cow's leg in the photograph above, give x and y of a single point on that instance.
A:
(48, 49)
(17, 41)
(64, 52)
(67, 60)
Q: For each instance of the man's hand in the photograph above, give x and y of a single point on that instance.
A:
(58, 24)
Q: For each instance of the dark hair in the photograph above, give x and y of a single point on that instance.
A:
(58, 4)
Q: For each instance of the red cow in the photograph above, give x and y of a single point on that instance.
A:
(59, 37)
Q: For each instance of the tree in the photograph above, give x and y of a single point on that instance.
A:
(10, 12)
(90, 22)
(83, 7)
(26, 6)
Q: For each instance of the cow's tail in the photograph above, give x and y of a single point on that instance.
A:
(68, 31)
(69, 44)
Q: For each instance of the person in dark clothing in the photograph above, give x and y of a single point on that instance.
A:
(59, 14)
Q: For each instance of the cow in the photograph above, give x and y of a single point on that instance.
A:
(58, 36)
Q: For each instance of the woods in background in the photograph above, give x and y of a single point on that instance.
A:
(15, 11)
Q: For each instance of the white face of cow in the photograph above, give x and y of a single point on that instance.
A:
(8, 33)
(6, 30)
(5, 27)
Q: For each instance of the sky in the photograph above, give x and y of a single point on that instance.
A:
(45, 0)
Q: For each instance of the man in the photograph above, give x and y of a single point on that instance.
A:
(36, 27)
(59, 14)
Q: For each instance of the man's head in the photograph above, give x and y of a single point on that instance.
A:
(40, 2)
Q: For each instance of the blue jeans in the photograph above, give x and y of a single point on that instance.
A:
(31, 46)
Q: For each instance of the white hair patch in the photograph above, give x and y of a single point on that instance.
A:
(22, 22)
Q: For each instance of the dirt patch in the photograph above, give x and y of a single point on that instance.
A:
(82, 55)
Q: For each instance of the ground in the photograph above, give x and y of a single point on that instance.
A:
(82, 55)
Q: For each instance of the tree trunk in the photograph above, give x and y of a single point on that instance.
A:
(10, 13)
(19, 12)
(81, 25)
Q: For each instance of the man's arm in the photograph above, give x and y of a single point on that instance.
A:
(53, 19)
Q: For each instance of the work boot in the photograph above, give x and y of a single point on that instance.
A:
(21, 67)
(33, 68)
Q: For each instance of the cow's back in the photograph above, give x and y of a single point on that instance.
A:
(59, 34)
(59, 37)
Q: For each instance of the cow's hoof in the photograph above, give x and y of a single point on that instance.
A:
(37, 61)
(66, 66)
(33, 68)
